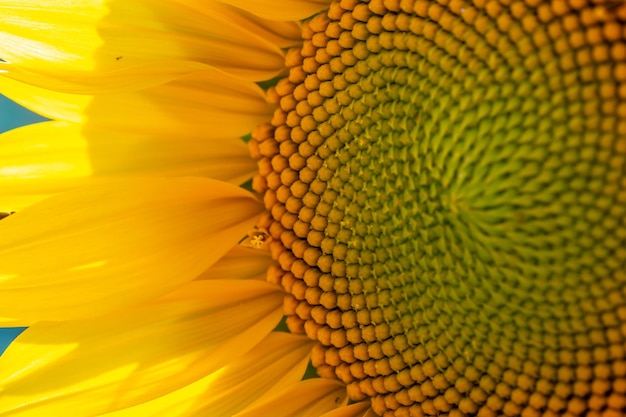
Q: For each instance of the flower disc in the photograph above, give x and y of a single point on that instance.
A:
(446, 193)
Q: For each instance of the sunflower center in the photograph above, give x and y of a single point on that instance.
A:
(446, 195)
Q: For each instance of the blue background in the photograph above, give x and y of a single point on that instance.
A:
(12, 116)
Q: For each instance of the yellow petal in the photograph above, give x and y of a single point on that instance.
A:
(73, 37)
(309, 398)
(279, 32)
(133, 77)
(278, 361)
(207, 104)
(93, 366)
(240, 263)
(361, 409)
(8, 322)
(51, 157)
(96, 249)
(281, 9)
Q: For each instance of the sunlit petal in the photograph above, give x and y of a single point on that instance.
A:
(130, 78)
(51, 157)
(99, 248)
(278, 361)
(207, 104)
(89, 367)
(74, 37)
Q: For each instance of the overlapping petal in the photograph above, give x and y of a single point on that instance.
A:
(113, 80)
(284, 34)
(278, 361)
(70, 38)
(280, 9)
(94, 366)
(99, 248)
(208, 104)
(42, 159)
(309, 398)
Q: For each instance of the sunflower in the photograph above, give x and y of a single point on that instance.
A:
(421, 202)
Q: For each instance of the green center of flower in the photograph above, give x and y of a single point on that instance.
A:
(446, 194)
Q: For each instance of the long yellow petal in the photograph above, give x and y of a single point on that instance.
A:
(51, 157)
(207, 104)
(110, 80)
(278, 361)
(71, 37)
(96, 249)
(240, 263)
(309, 398)
(280, 9)
(93, 366)
(284, 34)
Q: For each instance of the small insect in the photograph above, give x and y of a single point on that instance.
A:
(257, 239)
(117, 58)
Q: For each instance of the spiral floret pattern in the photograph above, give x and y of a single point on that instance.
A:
(446, 195)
